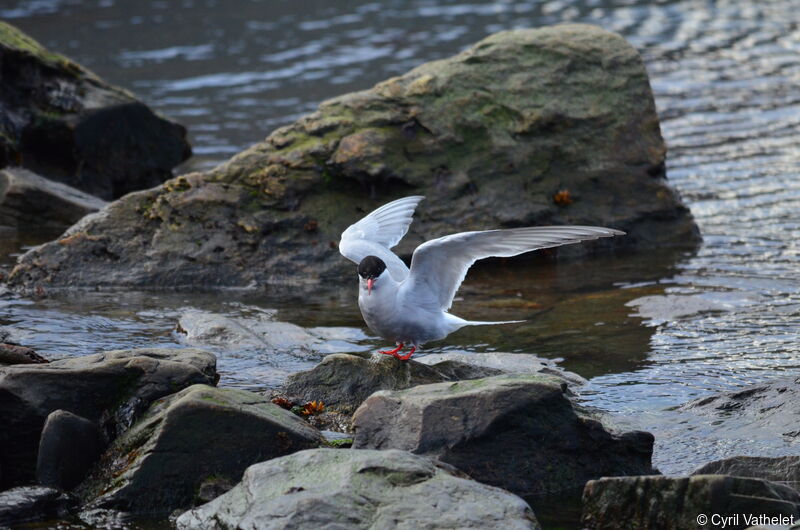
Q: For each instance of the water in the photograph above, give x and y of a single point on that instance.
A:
(724, 73)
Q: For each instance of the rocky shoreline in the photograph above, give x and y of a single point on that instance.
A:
(159, 439)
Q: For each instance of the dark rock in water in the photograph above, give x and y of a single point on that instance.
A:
(343, 381)
(669, 503)
(63, 122)
(770, 410)
(111, 388)
(490, 136)
(783, 469)
(32, 503)
(28, 200)
(16, 354)
(329, 488)
(68, 448)
(517, 432)
(184, 440)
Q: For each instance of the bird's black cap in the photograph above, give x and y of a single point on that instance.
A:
(371, 267)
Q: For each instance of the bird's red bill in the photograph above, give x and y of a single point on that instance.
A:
(370, 282)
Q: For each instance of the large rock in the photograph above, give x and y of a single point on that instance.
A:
(63, 122)
(517, 432)
(669, 503)
(28, 200)
(782, 469)
(199, 434)
(509, 122)
(330, 489)
(344, 381)
(111, 389)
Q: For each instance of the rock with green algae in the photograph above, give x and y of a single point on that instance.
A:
(111, 389)
(517, 432)
(342, 488)
(63, 122)
(490, 136)
(198, 436)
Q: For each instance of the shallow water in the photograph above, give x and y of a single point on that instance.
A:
(650, 331)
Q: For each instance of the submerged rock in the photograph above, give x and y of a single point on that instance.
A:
(669, 503)
(68, 448)
(329, 488)
(32, 503)
(187, 444)
(517, 432)
(28, 200)
(783, 469)
(111, 388)
(767, 410)
(515, 363)
(344, 381)
(258, 329)
(557, 125)
(63, 122)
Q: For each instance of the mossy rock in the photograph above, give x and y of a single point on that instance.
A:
(555, 125)
(62, 121)
(198, 435)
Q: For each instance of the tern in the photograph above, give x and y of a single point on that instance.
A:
(410, 306)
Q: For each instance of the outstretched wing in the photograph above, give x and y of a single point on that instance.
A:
(381, 230)
(439, 266)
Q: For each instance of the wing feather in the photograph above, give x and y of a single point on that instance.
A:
(439, 266)
(378, 232)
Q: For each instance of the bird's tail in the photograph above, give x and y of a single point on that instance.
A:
(482, 323)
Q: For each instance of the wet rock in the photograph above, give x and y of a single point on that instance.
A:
(512, 121)
(514, 363)
(329, 488)
(68, 448)
(343, 381)
(187, 439)
(258, 329)
(63, 122)
(517, 432)
(770, 410)
(16, 354)
(670, 503)
(28, 200)
(32, 503)
(783, 469)
(111, 388)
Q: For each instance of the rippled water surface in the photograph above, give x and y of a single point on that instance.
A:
(651, 332)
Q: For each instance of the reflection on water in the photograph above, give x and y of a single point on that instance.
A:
(649, 333)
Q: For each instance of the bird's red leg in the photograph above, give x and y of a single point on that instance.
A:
(408, 355)
(392, 352)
